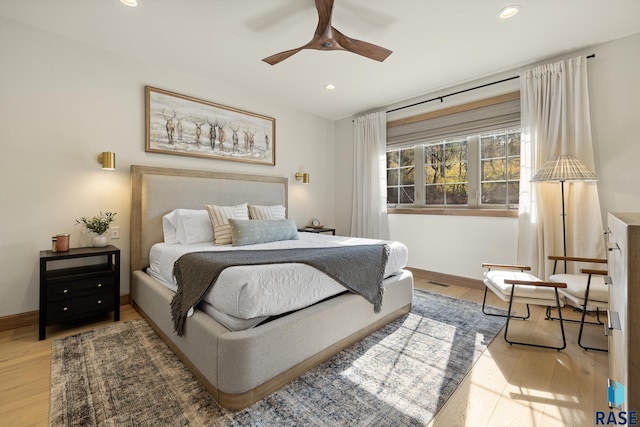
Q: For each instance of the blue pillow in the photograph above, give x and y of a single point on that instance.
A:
(248, 232)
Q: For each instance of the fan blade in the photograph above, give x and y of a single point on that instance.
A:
(325, 9)
(359, 47)
(363, 48)
(279, 57)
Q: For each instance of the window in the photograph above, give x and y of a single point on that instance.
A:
(446, 173)
(500, 166)
(400, 176)
(462, 156)
(474, 171)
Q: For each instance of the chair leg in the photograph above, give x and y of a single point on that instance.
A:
(506, 328)
(582, 322)
(484, 300)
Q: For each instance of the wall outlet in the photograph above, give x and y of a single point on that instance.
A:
(115, 232)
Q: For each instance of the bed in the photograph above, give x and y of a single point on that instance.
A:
(240, 367)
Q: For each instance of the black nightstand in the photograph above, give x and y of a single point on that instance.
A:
(68, 294)
(318, 230)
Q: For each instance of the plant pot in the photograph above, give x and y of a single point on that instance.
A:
(99, 240)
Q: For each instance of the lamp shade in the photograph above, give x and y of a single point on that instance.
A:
(565, 167)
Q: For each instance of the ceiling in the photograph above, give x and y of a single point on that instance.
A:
(436, 44)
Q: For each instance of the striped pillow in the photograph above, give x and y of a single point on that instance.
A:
(220, 220)
(267, 212)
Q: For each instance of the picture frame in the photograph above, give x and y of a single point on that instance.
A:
(187, 126)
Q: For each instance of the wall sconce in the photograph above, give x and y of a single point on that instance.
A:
(304, 177)
(108, 160)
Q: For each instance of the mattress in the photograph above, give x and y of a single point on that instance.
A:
(254, 293)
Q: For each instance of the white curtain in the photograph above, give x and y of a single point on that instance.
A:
(369, 212)
(556, 121)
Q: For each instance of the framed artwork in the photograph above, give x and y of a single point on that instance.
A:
(186, 126)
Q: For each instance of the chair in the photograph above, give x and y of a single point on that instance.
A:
(586, 291)
(512, 283)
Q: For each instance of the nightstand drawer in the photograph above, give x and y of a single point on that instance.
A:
(83, 306)
(66, 290)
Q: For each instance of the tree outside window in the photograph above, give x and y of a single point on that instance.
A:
(446, 173)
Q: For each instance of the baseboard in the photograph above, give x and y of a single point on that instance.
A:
(447, 279)
(125, 299)
(20, 320)
(15, 321)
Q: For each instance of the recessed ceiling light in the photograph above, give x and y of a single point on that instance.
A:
(329, 86)
(509, 11)
(132, 3)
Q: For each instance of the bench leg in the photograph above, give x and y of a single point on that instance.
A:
(484, 300)
(506, 328)
(582, 322)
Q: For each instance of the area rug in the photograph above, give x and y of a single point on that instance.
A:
(400, 375)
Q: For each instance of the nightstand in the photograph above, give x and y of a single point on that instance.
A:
(318, 230)
(72, 293)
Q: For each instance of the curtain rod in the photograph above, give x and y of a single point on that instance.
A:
(441, 98)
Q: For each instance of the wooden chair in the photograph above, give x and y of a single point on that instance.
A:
(512, 283)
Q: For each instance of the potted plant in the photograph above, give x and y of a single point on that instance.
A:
(99, 225)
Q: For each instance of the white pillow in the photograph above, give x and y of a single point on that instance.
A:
(267, 212)
(170, 227)
(187, 226)
(220, 215)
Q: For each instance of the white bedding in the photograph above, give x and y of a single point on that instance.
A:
(259, 291)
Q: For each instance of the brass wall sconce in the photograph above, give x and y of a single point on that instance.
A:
(108, 160)
(304, 177)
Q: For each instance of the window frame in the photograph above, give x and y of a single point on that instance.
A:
(474, 181)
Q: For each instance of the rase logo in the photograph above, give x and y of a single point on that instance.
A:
(615, 394)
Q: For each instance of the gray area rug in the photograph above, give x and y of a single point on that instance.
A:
(400, 375)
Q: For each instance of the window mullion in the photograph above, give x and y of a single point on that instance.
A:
(473, 165)
(419, 180)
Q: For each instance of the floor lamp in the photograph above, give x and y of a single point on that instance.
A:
(565, 167)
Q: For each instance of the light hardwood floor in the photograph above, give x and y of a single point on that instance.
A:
(527, 386)
(509, 386)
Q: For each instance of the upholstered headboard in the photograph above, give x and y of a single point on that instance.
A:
(157, 191)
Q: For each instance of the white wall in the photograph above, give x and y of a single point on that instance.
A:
(614, 89)
(62, 103)
(458, 245)
(433, 240)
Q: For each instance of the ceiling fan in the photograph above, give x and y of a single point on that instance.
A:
(326, 37)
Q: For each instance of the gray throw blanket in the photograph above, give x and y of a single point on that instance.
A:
(359, 268)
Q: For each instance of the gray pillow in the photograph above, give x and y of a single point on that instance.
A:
(248, 232)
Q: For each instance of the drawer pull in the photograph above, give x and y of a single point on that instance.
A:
(65, 309)
(65, 291)
(613, 320)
